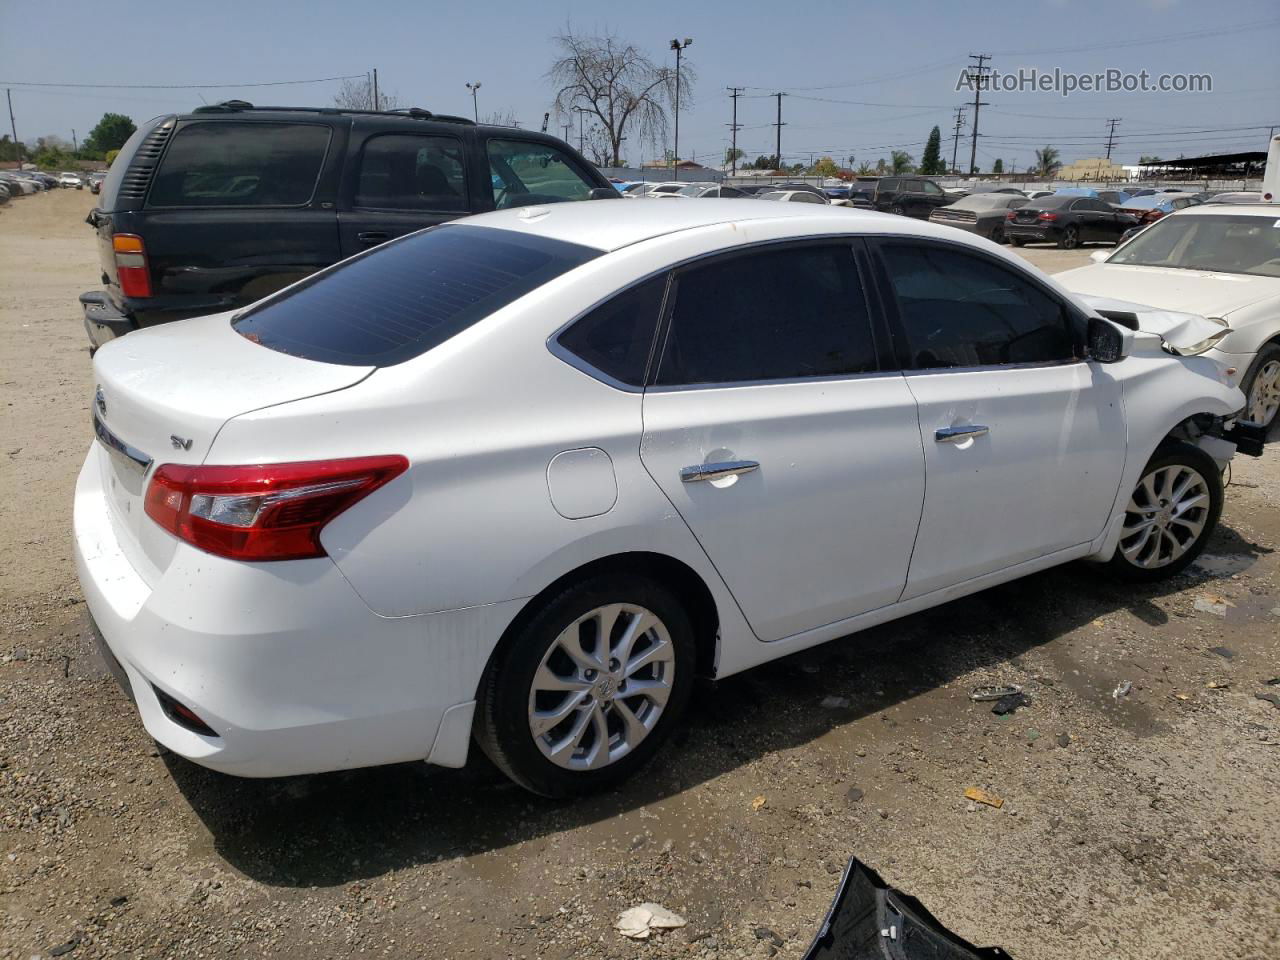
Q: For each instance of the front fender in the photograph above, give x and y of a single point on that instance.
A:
(1161, 395)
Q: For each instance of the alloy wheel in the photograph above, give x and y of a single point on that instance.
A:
(1071, 239)
(1165, 516)
(601, 687)
(1264, 394)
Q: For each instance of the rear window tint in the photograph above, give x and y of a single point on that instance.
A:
(405, 297)
(221, 163)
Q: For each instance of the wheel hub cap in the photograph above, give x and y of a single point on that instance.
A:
(602, 686)
(1264, 395)
(1165, 516)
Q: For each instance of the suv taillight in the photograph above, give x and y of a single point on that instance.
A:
(269, 511)
(131, 265)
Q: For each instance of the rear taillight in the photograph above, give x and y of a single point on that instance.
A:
(1151, 216)
(1047, 216)
(131, 265)
(1010, 215)
(269, 511)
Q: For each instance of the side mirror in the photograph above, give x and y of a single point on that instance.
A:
(604, 193)
(1098, 256)
(1108, 343)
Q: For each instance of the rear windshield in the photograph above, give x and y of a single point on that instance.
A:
(398, 301)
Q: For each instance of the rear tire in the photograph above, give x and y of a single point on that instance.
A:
(1070, 238)
(554, 712)
(997, 235)
(1018, 241)
(1170, 515)
(1262, 387)
(899, 209)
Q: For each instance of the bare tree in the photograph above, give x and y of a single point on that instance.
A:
(617, 84)
(501, 118)
(357, 94)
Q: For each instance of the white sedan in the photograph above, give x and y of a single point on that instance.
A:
(1220, 261)
(522, 476)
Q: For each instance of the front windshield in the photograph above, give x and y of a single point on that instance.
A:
(1224, 244)
(693, 190)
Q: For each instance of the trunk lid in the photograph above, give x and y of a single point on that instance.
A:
(1026, 214)
(163, 393)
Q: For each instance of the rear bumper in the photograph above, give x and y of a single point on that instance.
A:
(1033, 234)
(102, 320)
(287, 665)
(966, 225)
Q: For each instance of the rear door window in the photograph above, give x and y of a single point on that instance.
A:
(412, 172)
(407, 296)
(227, 163)
(526, 171)
(783, 312)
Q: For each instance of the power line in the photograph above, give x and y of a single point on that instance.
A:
(180, 86)
(1170, 38)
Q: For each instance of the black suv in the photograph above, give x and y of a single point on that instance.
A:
(214, 209)
(909, 196)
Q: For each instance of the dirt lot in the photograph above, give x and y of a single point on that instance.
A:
(1139, 826)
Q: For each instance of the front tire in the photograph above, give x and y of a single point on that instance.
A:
(1263, 387)
(1170, 515)
(589, 688)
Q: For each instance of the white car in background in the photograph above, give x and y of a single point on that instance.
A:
(524, 475)
(1221, 261)
(793, 196)
(68, 179)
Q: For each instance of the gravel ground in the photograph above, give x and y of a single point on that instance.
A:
(1138, 826)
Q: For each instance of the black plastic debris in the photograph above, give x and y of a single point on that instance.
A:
(1271, 698)
(870, 920)
(1009, 704)
(1224, 652)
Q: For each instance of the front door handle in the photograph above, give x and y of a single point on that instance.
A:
(954, 434)
(372, 238)
(717, 471)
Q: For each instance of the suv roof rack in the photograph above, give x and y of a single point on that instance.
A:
(417, 113)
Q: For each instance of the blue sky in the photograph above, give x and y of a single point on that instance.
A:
(899, 61)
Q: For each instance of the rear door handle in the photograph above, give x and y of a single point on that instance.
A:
(954, 434)
(717, 471)
(372, 237)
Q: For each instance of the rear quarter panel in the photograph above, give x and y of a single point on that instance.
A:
(480, 418)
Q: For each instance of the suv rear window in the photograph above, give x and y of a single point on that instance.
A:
(222, 163)
(403, 298)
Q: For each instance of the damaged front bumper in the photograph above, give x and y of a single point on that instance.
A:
(870, 920)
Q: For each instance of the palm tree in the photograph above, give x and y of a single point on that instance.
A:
(865, 169)
(901, 161)
(1047, 162)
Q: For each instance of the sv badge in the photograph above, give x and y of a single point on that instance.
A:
(179, 443)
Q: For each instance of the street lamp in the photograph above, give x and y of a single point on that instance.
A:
(475, 108)
(678, 47)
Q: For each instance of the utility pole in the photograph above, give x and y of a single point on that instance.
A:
(977, 74)
(475, 107)
(678, 47)
(14, 127)
(566, 127)
(955, 138)
(1111, 135)
(779, 124)
(75, 145)
(375, 88)
(546, 118)
(581, 137)
(734, 94)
